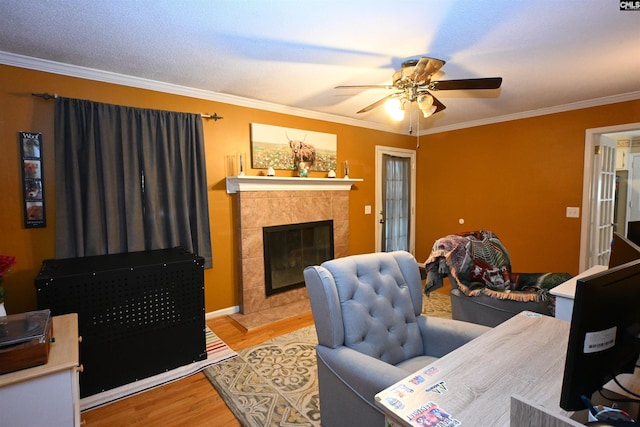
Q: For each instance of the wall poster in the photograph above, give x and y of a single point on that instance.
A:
(32, 179)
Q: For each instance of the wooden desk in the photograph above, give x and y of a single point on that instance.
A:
(523, 356)
(46, 395)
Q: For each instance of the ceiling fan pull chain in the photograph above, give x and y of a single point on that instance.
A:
(418, 132)
(410, 123)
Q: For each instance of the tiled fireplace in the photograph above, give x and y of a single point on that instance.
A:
(258, 209)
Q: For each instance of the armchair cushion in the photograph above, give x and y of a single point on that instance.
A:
(442, 336)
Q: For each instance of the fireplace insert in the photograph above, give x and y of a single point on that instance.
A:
(288, 249)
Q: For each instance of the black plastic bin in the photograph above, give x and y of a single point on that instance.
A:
(139, 313)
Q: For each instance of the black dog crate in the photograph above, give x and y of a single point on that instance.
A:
(139, 313)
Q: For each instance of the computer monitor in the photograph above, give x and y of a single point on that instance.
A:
(604, 336)
(623, 251)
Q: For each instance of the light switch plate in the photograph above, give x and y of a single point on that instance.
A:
(367, 210)
(573, 212)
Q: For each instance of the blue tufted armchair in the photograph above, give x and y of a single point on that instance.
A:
(371, 333)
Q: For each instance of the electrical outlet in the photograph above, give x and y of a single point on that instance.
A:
(367, 210)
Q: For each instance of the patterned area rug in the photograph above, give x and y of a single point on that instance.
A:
(275, 383)
(272, 384)
(437, 304)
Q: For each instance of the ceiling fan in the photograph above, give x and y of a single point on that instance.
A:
(413, 83)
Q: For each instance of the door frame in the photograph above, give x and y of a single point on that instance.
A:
(398, 152)
(592, 138)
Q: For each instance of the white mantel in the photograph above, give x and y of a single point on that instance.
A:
(280, 183)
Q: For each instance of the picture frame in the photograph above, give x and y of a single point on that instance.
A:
(31, 165)
(283, 148)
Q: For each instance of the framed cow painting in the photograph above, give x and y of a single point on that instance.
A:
(286, 148)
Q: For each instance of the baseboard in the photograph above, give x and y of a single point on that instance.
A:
(223, 312)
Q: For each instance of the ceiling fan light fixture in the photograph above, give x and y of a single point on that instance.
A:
(395, 109)
(429, 111)
(425, 103)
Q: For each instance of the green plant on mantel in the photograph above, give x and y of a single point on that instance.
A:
(6, 262)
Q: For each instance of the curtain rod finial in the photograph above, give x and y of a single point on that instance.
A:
(215, 116)
(45, 96)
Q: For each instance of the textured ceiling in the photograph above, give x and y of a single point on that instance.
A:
(551, 54)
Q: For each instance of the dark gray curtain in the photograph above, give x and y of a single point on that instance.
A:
(129, 179)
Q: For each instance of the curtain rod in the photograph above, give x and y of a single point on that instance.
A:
(48, 96)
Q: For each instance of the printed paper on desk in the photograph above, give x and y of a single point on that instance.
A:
(430, 415)
(439, 387)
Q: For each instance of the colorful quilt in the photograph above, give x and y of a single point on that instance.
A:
(479, 263)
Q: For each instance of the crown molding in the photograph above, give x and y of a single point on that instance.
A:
(54, 67)
(596, 102)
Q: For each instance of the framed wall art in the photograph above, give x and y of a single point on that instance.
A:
(32, 179)
(284, 148)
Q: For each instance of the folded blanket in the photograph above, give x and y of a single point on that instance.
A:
(479, 263)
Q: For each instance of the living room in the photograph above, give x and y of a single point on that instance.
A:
(514, 177)
(515, 189)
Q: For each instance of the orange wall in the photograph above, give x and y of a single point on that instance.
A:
(515, 178)
(19, 111)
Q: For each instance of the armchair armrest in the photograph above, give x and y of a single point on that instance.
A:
(365, 375)
(442, 336)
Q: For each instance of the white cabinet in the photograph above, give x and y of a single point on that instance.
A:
(565, 292)
(46, 395)
(622, 155)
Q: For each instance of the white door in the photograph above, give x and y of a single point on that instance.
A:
(604, 197)
(633, 213)
(395, 199)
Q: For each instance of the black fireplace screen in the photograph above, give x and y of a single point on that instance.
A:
(288, 249)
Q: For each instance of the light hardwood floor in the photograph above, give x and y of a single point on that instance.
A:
(191, 401)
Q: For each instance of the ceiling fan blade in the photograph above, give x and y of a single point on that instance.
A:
(425, 68)
(377, 103)
(365, 87)
(466, 84)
